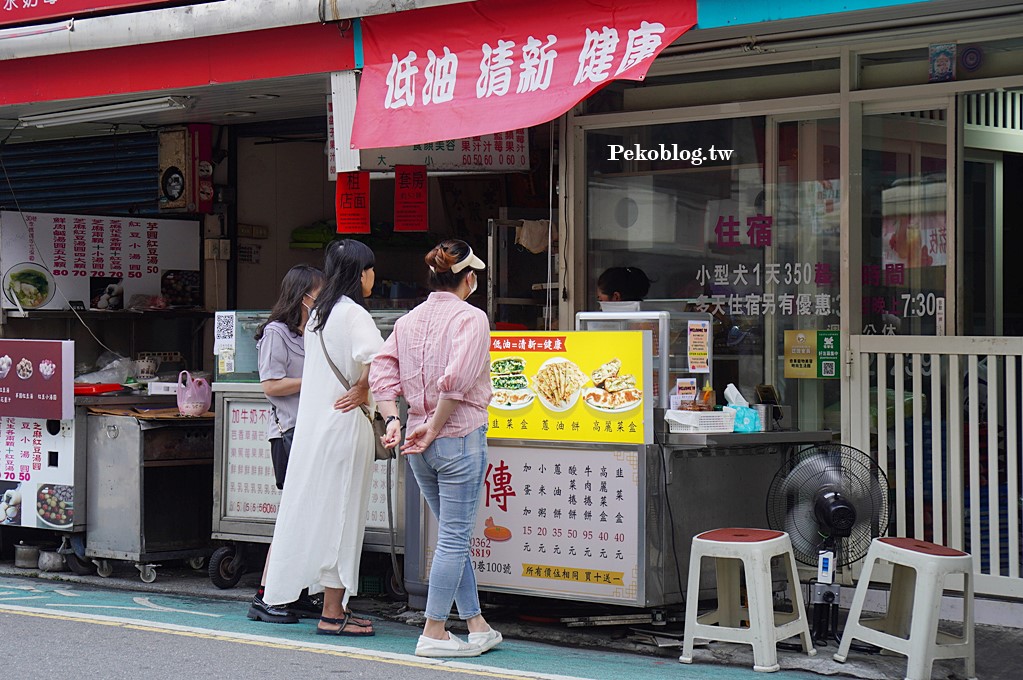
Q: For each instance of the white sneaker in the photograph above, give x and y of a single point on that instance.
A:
(486, 641)
(452, 647)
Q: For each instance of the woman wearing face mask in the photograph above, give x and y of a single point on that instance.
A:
(322, 517)
(281, 355)
(438, 358)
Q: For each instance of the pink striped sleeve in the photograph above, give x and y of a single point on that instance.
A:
(384, 374)
(470, 350)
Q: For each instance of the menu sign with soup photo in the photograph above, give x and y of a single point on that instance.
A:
(571, 387)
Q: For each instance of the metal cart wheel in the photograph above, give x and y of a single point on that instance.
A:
(226, 567)
(197, 563)
(80, 566)
(104, 568)
(147, 572)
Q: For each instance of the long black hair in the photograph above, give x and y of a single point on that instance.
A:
(298, 282)
(345, 262)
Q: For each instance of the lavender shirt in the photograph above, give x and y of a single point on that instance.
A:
(281, 355)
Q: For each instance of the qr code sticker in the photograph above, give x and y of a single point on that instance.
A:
(828, 369)
(224, 327)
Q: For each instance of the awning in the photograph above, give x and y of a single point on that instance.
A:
(472, 69)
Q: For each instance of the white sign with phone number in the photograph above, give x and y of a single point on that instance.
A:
(559, 523)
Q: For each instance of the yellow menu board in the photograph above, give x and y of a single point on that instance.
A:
(573, 386)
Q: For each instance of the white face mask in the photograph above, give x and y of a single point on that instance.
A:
(475, 282)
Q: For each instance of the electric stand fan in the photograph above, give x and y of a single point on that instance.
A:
(832, 500)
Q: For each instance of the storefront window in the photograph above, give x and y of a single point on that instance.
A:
(690, 207)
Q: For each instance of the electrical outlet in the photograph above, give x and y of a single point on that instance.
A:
(217, 249)
(212, 248)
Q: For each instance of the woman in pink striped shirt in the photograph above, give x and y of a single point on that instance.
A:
(438, 358)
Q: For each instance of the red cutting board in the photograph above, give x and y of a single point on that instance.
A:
(97, 388)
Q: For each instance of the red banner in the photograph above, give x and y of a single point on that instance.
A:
(493, 65)
(351, 203)
(410, 198)
(37, 379)
(31, 11)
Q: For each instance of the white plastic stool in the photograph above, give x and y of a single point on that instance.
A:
(753, 549)
(911, 625)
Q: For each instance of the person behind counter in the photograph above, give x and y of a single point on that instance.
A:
(438, 357)
(322, 517)
(281, 355)
(622, 284)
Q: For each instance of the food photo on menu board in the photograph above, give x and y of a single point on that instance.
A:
(571, 386)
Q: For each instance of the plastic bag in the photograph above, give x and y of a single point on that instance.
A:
(194, 396)
(746, 419)
(115, 371)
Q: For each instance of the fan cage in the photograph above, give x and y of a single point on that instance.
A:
(814, 471)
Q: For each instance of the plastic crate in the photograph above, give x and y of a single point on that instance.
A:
(162, 357)
(700, 421)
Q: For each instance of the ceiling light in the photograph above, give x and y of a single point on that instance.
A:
(107, 112)
(264, 96)
(238, 114)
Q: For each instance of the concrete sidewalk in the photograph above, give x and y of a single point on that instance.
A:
(999, 650)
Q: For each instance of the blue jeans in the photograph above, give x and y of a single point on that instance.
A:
(450, 474)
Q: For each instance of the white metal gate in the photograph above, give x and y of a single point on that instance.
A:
(943, 417)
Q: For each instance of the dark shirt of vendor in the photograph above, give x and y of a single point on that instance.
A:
(622, 284)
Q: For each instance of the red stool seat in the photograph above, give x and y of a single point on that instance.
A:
(735, 535)
(925, 547)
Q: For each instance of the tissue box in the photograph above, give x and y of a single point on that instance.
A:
(163, 388)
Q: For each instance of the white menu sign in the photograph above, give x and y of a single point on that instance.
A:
(501, 151)
(251, 490)
(47, 260)
(561, 523)
(37, 475)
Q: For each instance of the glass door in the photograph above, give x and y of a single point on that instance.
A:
(905, 217)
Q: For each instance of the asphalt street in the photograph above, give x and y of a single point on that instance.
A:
(54, 627)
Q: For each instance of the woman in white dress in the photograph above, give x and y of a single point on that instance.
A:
(322, 517)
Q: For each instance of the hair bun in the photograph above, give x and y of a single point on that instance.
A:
(439, 260)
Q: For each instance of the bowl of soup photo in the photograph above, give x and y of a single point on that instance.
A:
(29, 285)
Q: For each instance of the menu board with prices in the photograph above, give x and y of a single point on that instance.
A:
(557, 522)
(48, 260)
(37, 474)
(250, 487)
(575, 386)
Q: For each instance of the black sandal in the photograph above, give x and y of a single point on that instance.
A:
(343, 623)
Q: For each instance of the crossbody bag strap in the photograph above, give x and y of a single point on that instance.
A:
(337, 372)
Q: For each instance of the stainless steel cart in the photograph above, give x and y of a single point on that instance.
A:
(149, 494)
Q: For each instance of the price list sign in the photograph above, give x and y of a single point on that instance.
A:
(37, 475)
(561, 523)
(250, 489)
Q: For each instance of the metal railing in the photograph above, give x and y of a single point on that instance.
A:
(943, 417)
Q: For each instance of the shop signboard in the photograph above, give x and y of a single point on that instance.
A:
(574, 386)
(37, 379)
(250, 491)
(49, 260)
(32, 11)
(812, 354)
(491, 65)
(499, 151)
(557, 523)
(37, 476)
